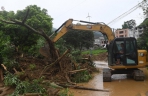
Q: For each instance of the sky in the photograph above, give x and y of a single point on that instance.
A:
(98, 10)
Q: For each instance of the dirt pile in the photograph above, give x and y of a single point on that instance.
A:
(99, 57)
(33, 69)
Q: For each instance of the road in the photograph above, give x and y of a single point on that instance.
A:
(120, 85)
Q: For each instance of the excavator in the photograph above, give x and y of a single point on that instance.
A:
(131, 60)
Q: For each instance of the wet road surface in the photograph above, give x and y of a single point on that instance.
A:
(120, 85)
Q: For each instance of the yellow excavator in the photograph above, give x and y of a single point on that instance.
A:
(131, 60)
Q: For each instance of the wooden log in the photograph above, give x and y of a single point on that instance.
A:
(58, 54)
(83, 88)
(16, 72)
(85, 58)
(32, 94)
(4, 91)
(1, 75)
(1, 72)
(93, 89)
(68, 80)
(58, 60)
(74, 71)
(5, 68)
(75, 64)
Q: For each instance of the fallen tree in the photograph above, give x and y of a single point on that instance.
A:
(59, 67)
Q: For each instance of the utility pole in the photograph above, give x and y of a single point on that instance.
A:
(88, 17)
(89, 21)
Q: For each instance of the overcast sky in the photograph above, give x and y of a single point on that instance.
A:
(99, 10)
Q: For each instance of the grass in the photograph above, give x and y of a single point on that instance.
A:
(94, 52)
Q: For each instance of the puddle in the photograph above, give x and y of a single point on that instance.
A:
(101, 64)
(120, 85)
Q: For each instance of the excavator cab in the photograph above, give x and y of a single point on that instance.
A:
(129, 55)
(129, 59)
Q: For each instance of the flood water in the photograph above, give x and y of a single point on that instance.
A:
(120, 85)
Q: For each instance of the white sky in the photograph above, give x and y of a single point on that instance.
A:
(99, 10)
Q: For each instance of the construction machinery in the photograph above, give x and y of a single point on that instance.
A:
(131, 60)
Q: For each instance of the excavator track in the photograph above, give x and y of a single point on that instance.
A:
(106, 75)
(138, 75)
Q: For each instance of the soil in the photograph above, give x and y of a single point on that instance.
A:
(33, 69)
(100, 57)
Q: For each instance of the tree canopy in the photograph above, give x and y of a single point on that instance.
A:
(17, 33)
(129, 24)
(21, 37)
(143, 40)
(79, 38)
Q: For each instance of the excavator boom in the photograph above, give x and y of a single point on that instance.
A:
(104, 29)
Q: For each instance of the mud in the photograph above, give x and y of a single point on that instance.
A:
(120, 85)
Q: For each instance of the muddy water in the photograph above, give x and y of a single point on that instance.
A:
(120, 85)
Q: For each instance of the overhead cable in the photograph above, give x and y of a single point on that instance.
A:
(126, 13)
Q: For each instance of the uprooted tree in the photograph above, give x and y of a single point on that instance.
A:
(21, 28)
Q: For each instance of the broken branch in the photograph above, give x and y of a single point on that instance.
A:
(74, 71)
(93, 89)
(24, 20)
(84, 88)
(49, 66)
(5, 68)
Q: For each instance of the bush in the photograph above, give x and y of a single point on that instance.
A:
(10, 79)
(65, 92)
(83, 76)
(24, 86)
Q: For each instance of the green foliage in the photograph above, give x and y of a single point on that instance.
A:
(94, 52)
(10, 79)
(129, 24)
(32, 66)
(7, 52)
(125, 26)
(76, 55)
(144, 7)
(10, 63)
(26, 87)
(142, 41)
(25, 40)
(83, 76)
(23, 86)
(65, 92)
(79, 39)
(33, 87)
(62, 46)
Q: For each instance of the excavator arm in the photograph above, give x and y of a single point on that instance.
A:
(91, 26)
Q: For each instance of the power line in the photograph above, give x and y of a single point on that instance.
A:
(123, 15)
(126, 13)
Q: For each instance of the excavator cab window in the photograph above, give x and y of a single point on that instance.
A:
(131, 52)
(128, 56)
